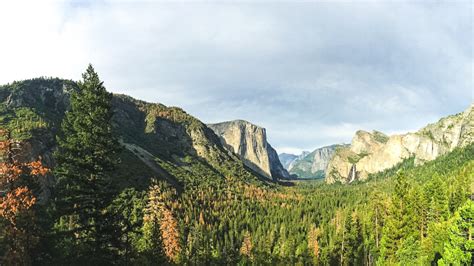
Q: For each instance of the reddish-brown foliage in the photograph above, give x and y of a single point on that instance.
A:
(313, 243)
(246, 248)
(160, 210)
(169, 234)
(17, 201)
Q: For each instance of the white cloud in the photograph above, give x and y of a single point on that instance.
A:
(312, 73)
(33, 44)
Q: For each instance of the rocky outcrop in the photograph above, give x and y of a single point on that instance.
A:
(314, 164)
(249, 142)
(372, 152)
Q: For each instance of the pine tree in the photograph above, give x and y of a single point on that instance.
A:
(170, 235)
(409, 251)
(128, 212)
(348, 245)
(196, 253)
(355, 241)
(437, 195)
(460, 247)
(246, 247)
(313, 243)
(160, 229)
(87, 154)
(151, 244)
(396, 224)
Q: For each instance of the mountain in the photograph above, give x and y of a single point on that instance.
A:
(372, 152)
(216, 209)
(249, 142)
(286, 159)
(158, 141)
(314, 164)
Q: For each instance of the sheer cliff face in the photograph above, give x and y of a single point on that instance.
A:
(276, 168)
(372, 152)
(249, 142)
(321, 158)
(314, 164)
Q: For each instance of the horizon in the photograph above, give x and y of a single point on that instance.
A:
(151, 132)
(290, 151)
(311, 73)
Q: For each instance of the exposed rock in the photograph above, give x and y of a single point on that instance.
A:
(300, 157)
(168, 132)
(314, 164)
(374, 152)
(50, 99)
(276, 169)
(287, 159)
(249, 142)
(321, 158)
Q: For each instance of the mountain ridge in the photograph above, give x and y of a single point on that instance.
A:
(177, 142)
(313, 165)
(372, 152)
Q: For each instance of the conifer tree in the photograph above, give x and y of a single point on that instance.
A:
(246, 247)
(396, 224)
(459, 248)
(151, 244)
(87, 154)
(128, 212)
(313, 244)
(160, 229)
(355, 241)
(436, 194)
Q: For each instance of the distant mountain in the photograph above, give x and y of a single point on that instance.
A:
(249, 142)
(286, 159)
(313, 164)
(372, 152)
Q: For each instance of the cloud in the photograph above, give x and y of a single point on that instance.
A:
(312, 73)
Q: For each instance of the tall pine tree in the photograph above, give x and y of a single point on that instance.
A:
(87, 154)
(397, 224)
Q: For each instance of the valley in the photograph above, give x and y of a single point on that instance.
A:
(174, 190)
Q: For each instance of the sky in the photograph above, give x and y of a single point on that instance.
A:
(311, 72)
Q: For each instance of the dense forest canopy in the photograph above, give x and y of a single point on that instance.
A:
(105, 206)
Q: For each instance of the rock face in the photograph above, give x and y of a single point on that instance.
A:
(372, 152)
(249, 142)
(287, 159)
(314, 164)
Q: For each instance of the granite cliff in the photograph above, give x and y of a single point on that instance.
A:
(314, 164)
(372, 152)
(249, 142)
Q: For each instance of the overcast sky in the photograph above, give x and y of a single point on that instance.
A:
(311, 73)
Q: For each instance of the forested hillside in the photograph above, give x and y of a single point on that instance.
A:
(88, 178)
